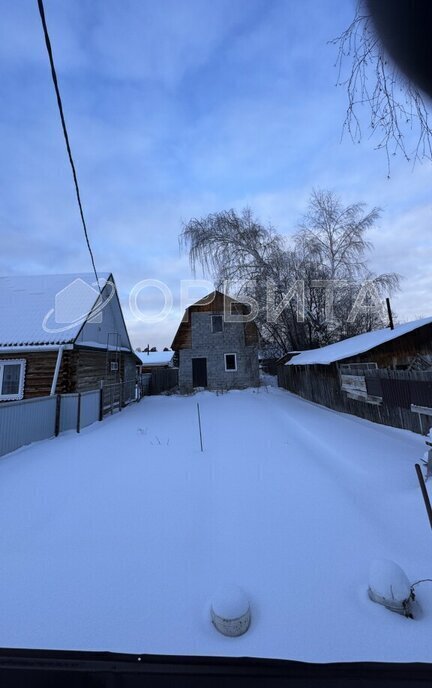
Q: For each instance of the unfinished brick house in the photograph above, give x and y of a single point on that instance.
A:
(217, 348)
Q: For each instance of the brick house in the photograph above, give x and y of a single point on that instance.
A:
(216, 347)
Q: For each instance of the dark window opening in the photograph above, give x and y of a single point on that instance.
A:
(230, 362)
(217, 323)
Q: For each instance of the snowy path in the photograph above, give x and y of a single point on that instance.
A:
(115, 539)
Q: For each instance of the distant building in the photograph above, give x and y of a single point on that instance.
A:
(154, 360)
(213, 351)
(58, 336)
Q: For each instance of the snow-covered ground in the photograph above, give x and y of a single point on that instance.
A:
(115, 539)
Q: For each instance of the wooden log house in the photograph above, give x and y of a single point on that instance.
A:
(59, 334)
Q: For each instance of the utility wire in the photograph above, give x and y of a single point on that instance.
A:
(65, 134)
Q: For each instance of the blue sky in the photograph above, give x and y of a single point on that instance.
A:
(177, 109)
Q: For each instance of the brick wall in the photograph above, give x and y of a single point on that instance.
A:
(213, 346)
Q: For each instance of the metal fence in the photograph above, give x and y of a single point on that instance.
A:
(30, 420)
(23, 422)
(79, 410)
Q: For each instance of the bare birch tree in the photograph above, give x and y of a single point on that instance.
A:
(326, 257)
(397, 109)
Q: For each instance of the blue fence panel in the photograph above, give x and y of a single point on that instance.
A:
(90, 407)
(23, 422)
(68, 412)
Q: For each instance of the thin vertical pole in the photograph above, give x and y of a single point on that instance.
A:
(199, 425)
(57, 415)
(78, 429)
(101, 402)
(424, 492)
(390, 314)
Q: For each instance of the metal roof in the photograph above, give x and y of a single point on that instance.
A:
(45, 310)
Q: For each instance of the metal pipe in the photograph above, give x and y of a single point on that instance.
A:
(29, 348)
(57, 370)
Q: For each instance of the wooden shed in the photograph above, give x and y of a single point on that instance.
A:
(384, 375)
(154, 360)
(60, 334)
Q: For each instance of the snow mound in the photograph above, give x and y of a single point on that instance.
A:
(389, 585)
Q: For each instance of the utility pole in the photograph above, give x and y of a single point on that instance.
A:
(390, 315)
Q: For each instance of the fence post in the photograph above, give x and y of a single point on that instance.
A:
(57, 415)
(424, 493)
(101, 398)
(79, 412)
(199, 426)
(121, 395)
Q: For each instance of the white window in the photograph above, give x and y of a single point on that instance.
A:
(12, 379)
(230, 362)
(217, 323)
(114, 366)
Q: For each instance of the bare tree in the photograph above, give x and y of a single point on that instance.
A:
(326, 257)
(396, 106)
(332, 240)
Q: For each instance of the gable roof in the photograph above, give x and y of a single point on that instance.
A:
(155, 358)
(27, 308)
(355, 345)
(214, 301)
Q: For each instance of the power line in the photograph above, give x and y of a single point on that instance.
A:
(65, 134)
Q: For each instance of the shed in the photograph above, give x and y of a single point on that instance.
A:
(384, 375)
(154, 360)
(59, 334)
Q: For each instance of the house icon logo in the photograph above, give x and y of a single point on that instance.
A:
(75, 304)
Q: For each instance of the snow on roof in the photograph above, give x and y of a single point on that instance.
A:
(40, 310)
(155, 358)
(355, 345)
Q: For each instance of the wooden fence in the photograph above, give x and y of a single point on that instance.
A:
(163, 380)
(400, 398)
(158, 381)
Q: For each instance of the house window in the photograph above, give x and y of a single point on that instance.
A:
(217, 323)
(230, 362)
(114, 366)
(12, 379)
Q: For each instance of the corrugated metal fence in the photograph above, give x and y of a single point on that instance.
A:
(22, 422)
(30, 420)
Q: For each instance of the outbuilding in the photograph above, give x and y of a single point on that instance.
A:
(384, 375)
(154, 360)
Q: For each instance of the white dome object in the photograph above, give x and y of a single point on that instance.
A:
(230, 611)
(389, 585)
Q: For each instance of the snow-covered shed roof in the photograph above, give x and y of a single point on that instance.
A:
(355, 345)
(155, 358)
(32, 308)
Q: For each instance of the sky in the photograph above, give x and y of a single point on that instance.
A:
(176, 109)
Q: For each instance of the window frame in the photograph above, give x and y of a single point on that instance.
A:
(13, 361)
(217, 315)
(230, 370)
